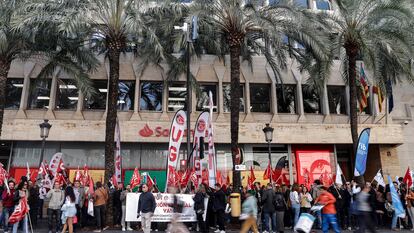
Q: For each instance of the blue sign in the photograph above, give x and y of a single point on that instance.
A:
(396, 201)
(362, 153)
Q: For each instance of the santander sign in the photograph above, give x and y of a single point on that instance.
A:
(158, 131)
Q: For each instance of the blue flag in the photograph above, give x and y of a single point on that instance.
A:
(396, 201)
(362, 153)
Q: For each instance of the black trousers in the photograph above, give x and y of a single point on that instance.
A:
(54, 216)
(201, 223)
(100, 212)
(220, 219)
(117, 214)
(366, 222)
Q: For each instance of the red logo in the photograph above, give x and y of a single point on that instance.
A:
(180, 119)
(146, 131)
(201, 125)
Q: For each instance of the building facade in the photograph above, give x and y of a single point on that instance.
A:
(308, 124)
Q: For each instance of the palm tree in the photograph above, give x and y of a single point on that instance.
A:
(28, 42)
(377, 31)
(243, 30)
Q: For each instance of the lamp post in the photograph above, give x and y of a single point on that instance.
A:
(44, 133)
(268, 131)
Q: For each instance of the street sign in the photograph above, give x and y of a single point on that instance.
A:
(240, 167)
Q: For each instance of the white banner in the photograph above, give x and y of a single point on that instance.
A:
(211, 149)
(200, 131)
(55, 163)
(178, 127)
(163, 212)
(118, 158)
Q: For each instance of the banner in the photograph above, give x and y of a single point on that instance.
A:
(200, 131)
(362, 153)
(163, 212)
(211, 150)
(118, 158)
(178, 127)
(313, 165)
(396, 201)
(55, 162)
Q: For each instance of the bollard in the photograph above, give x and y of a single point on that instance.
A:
(235, 204)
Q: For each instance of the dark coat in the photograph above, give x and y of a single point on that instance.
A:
(268, 200)
(219, 202)
(146, 203)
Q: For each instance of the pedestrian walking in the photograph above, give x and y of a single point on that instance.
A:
(269, 212)
(33, 201)
(68, 210)
(280, 207)
(249, 209)
(99, 206)
(295, 202)
(56, 198)
(365, 210)
(200, 208)
(410, 206)
(79, 201)
(146, 208)
(328, 212)
(117, 205)
(219, 206)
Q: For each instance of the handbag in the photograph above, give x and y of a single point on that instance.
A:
(90, 208)
(75, 219)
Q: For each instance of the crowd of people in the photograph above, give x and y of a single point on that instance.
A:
(265, 208)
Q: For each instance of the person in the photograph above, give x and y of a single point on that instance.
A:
(99, 206)
(269, 211)
(8, 204)
(328, 212)
(200, 208)
(146, 208)
(117, 204)
(365, 210)
(68, 210)
(380, 204)
(280, 207)
(33, 202)
(219, 206)
(42, 196)
(56, 198)
(294, 200)
(249, 208)
(122, 198)
(305, 200)
(79, 200)
(21, 192)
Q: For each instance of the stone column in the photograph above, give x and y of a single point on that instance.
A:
(52, 98)
(28, 67)
(325, 103)
(79, 107)
(299, 94)
(135, 116)
(164, 114)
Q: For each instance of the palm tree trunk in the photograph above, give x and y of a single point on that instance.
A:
(235, 52)
(4, 70)
(352, 53)
(113, 55)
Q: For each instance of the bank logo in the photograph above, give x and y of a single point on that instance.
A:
(146, 131)
(180, 119)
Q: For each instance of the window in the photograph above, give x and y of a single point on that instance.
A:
(98, 101)
(151, 96)
(14, 87)
(203, 97)
(302, 3)
(273, 2)
(286, 98)
(67, 94)
(260, 98)
(227, 99)
(323, 4)
(126, 92)
(311, 99)
(176, 97)
(336, 99)
(39, 93)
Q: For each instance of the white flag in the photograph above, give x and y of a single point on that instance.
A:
(211, 149)
(338, 178)
(380, 180)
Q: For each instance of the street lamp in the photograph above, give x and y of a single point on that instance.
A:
(268, 131)
(44, 133)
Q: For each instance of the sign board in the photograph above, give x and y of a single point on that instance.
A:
(240, 167)
(163, 212)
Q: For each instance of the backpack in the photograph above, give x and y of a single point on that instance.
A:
(278, 202)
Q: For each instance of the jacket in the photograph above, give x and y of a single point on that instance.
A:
(57, 197)
(268, 200)
(81, 197)
(326, 198)
(8, 199)
(199, 202)
(250, 206)
(146, 203)
(219, 202)
(101, 197)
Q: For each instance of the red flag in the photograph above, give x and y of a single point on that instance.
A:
(268, 172)
(228, 179)
(20, 211)
(204, 176)
(408, 178)
(60, 178)
(194, 178)
(308, 178)
(3, 174)
(135, 179)
(78, 176)
(91, 190)
(61, 167)
(326, 181)
(219, 177)
(185, 178)
(150, 181)
(251, 179)
(85, 178)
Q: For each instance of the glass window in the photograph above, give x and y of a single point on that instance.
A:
(302, 3)
(323, 4)
(336, 99)
(98, 101)
(286, 98)
(260, 98)
(39, 93)
(311, 99)
(227, 99)
(67, 94)
(126, 92)
(203, 97)
(273, 2)
(176, 97)
(14, 88)
(151, 96)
